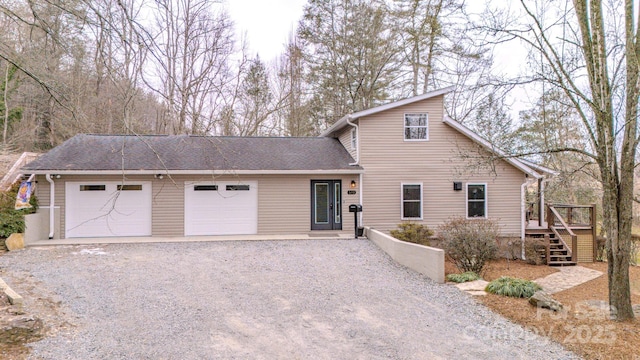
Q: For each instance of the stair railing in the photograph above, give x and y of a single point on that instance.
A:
(554, 215)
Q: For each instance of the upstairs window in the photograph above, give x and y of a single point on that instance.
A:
(416, 127)
(476, 200)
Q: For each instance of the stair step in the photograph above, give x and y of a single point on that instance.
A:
(562, 263)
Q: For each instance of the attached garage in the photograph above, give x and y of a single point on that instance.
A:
(181, 185)
(221, 208)
(107, 209)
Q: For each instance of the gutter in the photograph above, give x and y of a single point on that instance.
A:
(120, 172)
(52, 195)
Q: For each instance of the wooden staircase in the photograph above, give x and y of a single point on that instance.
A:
(561, 229)
(556, 252)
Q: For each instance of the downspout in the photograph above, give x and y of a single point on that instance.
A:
(52, 194)
(523, 213)
(357, 163)
(357, 143)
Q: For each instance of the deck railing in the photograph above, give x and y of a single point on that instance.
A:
(565, 220)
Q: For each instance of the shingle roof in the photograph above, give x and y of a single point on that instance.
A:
(184, 152)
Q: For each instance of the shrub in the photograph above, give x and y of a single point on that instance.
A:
(464, 277)
(413, 233)
(470, 243)
(531, 250)
(11, 220)
(513, 287)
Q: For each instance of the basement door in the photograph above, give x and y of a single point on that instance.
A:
(326, 205)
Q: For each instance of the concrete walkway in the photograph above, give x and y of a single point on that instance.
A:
(566, 278)
(321, 235)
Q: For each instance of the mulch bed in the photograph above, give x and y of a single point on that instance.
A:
(581, 328)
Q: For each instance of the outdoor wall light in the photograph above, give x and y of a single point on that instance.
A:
(159, 176)
(353, 184)
(57, 176)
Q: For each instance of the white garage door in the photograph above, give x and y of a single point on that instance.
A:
(221, 208)
(106, 209)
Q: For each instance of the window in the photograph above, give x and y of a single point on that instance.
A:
(354, 139)
(411, 201)
(476, 200)
(205, 188)
(92, 187)
(237, 187)
(129, 187)
(416, 127)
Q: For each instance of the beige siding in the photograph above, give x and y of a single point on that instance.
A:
(344, 136)
(284, 201)
(388, 161)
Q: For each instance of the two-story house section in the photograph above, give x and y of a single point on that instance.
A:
(419, 165)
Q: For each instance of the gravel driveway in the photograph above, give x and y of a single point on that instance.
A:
(317, 299)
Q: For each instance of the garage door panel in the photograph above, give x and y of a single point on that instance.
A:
(230, 209)
(107, 209)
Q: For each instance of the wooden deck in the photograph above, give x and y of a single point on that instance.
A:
(569, 232)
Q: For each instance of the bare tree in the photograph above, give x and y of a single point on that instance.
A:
(588, 49)
(192, 46)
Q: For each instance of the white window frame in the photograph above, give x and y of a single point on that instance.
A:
(402, 185)
(405, 126)
(354, 139)
(486, 201)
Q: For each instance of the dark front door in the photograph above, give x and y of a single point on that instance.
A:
(326, 205)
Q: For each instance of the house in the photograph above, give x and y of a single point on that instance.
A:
(403, 161)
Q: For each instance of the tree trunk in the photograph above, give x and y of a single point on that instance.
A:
(6, 107)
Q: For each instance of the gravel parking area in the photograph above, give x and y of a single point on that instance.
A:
(320, 299)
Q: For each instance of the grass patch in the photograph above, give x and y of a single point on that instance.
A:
(464, 277)
(513, 287)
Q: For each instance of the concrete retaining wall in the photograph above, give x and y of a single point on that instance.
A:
(423, 259)
(37, 225)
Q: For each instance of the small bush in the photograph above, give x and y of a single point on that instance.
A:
(470, 243)
(413, 233)
(531, 247)
(513, 287)
(464, 277)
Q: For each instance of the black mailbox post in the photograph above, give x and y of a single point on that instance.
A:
(355, 209)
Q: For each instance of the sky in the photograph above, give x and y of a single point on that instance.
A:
(266, 23)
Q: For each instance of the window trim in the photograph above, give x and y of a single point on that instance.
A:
(486, 201)
(354, 140)
(93, 187)
(238, 187)
(402, 217)
(129, 187)
(205, 187)
(404, 127)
